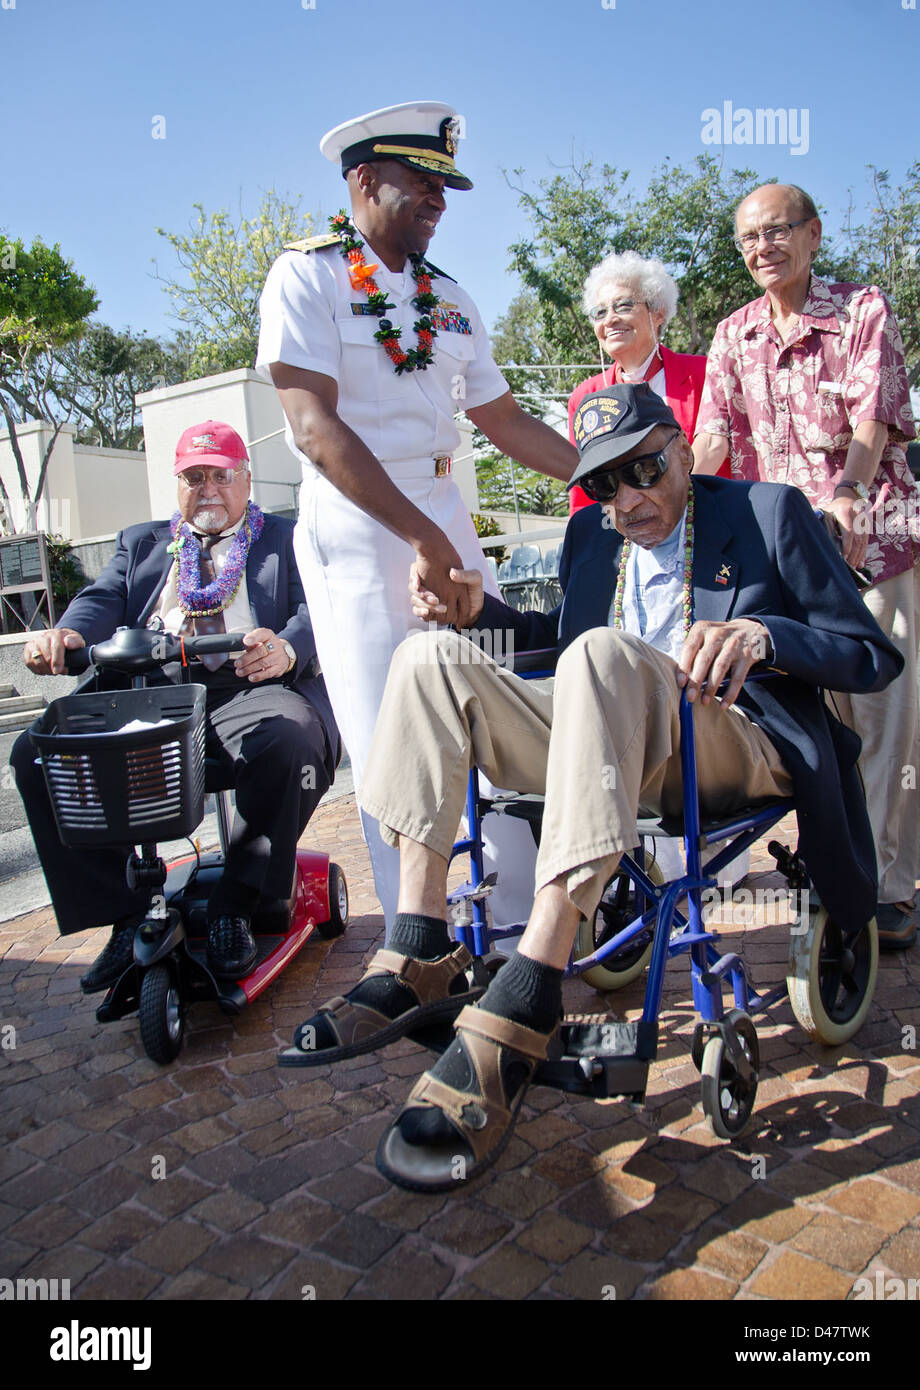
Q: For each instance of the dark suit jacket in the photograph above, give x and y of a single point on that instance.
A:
(127, 592)
(783, 570)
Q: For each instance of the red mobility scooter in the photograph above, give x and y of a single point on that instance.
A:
(128, 766)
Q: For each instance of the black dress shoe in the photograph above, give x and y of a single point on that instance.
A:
(231, 947)
(114, 960)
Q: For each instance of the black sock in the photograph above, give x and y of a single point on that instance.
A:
(524, 991)
(424, 938)
(412, 934)
(231, 899)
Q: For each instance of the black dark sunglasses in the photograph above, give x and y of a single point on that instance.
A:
(642, 472)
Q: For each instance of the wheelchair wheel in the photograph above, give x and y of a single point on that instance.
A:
(727, 1098)
(338, 906)
(162, 1016)
(831, 982)
(616, 909)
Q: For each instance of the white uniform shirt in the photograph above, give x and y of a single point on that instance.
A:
(313, 318)
(237, 615)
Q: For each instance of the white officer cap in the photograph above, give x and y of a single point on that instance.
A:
(422, 134)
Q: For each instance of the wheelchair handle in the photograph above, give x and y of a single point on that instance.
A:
(135, 651)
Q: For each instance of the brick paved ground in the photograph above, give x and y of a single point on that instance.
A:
(270, 1182)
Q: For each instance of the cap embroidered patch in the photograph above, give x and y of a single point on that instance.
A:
(204, 441)
(598, 418)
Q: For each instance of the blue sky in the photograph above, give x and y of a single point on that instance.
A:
(247, 87)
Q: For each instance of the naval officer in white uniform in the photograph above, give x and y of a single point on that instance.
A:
(372, 351)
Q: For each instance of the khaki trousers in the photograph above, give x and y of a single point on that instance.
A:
(601, 741)
(888, 722)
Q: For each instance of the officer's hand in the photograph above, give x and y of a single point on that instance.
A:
(433, 567)
(714, 652)
(44, 651)
(264, 659)
(427, 605)
(854, 534)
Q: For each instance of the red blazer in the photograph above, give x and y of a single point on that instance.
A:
(684, 373)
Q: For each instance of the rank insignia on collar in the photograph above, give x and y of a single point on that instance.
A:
(724, 575)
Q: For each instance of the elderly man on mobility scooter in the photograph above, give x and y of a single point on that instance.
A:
(670, 585)
(219, 565)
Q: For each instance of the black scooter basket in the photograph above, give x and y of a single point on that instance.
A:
(108, 787)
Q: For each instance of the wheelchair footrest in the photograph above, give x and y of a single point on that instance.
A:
(600, 1058)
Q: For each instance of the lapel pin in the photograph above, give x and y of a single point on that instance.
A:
(724, 575)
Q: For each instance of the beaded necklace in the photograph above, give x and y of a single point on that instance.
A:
(195, 600)
(416, 359)
(688, 573)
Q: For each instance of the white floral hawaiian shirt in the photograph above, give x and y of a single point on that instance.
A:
(789, 409)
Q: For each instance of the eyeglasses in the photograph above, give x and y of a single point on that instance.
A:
(223, 477)
(780, 231)
(642, 472)
(600, 311)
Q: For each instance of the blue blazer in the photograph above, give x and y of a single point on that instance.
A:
(783, 570)
(128, 590)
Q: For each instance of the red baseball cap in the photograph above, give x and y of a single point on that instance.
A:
(210, 443)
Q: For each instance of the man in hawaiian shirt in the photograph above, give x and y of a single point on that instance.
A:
(807, 385)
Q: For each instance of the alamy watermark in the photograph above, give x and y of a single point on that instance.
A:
(765, 125)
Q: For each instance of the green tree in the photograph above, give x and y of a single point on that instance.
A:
(885, 251)
(224, 261)
(44, 305)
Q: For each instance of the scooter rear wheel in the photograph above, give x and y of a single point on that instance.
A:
(338, 905)
(162, 1017)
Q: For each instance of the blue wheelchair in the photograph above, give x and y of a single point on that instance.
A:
(830, 978)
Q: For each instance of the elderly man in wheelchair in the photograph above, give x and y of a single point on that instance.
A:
(675, 589)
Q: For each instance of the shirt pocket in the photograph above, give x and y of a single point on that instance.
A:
(366, 372)
(831, 407)
(457, 352)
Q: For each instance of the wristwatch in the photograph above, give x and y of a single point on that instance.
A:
(862, 492)
(291, 655)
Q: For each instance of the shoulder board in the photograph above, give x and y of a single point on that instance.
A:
(442, 273)
(314, 243)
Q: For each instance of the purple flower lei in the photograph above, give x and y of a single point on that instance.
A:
(212, 598)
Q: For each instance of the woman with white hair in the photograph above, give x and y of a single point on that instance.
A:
(629, 301)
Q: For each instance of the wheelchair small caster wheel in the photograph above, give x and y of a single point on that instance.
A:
(162, 1016)
(831, 981)
(728, 1097)
(338, 906)
(616, 909)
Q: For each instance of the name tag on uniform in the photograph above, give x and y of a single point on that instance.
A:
(360, 309)
(450, 320)
(835, 388)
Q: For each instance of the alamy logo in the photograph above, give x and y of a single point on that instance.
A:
(34, 1289)
(764, 126)
(76, 1343)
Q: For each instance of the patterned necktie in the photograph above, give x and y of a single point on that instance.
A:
(210, 622)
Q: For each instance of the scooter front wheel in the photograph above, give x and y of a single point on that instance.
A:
(162, 1016)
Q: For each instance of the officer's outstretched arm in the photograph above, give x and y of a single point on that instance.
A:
(310, 401)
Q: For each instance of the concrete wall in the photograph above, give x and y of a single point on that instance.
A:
(248, 402)
(87, 490)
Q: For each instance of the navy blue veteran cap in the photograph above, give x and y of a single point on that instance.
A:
(422, 134)
(610, 422)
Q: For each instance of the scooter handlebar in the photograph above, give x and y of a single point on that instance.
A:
(137, 650)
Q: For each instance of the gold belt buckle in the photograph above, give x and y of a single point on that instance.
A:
(442, 465)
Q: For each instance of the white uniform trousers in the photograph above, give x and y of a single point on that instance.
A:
(356, 577)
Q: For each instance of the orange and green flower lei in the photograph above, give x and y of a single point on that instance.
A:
(415, 359)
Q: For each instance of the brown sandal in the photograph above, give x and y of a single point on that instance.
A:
(360, 1028)
(483, 1122)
